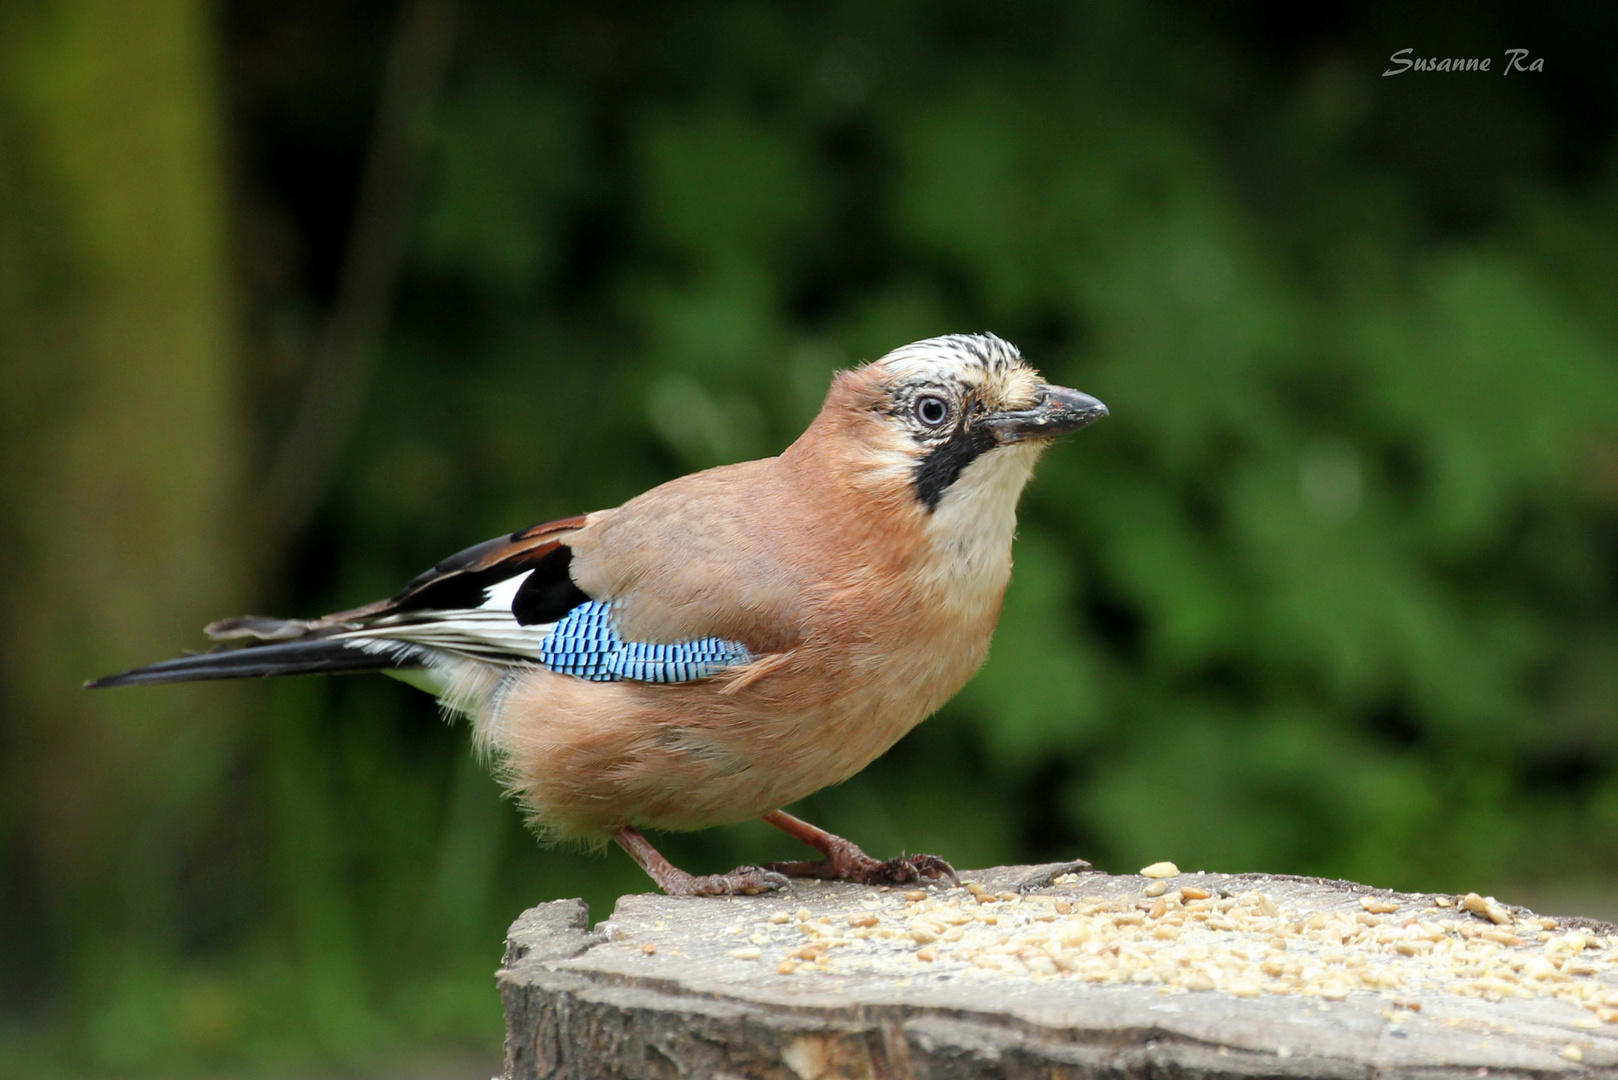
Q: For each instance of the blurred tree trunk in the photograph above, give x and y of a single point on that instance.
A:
(119, 449)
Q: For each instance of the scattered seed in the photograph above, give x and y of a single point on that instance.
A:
(1572, 1052)
(649, 948)
(1539, 968)
(1487, 906)
(1189, 939)
(1160, 870)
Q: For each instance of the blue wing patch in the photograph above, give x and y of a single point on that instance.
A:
(584, 643)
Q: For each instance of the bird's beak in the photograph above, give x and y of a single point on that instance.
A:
(1057, 412)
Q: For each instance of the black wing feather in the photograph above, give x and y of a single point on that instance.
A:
(549, 593)
(461, 580)
(315, 657)
(459, 584)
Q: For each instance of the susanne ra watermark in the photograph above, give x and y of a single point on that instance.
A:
(1514, 62)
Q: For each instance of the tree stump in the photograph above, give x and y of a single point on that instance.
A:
(1054, 972)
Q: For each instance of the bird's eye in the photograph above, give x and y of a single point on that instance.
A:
(931, 411)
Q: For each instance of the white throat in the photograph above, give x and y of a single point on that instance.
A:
(972, 527)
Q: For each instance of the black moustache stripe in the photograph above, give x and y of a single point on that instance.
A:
(942, 465)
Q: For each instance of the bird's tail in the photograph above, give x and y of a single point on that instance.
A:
(311, 656)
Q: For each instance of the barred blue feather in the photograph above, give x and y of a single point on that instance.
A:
(584, 643)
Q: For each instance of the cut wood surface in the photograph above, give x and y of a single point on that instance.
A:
(1057, 971)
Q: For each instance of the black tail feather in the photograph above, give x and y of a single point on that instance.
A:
(320, 656)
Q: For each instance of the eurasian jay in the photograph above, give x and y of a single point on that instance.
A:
(730, 641)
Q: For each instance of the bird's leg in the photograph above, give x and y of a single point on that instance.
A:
(749, 880)
(845, 861)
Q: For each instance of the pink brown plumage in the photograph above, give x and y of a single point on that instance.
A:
(730, 641)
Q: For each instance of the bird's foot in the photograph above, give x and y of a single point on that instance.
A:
(846, 862)
(743, 881)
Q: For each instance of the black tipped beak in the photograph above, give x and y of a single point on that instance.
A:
(1058, 411)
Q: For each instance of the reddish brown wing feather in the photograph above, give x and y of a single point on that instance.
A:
(459, 581)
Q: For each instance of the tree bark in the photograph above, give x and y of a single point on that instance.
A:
(702, 987)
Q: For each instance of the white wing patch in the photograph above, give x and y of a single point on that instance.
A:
(482, 635)
(488, 632)
(502, 594)
(582, 643)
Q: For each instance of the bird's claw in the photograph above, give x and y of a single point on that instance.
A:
(916, 868)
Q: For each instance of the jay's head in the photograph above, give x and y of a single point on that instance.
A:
(957, 418)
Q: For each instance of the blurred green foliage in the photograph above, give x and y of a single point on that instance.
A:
(1332, 592)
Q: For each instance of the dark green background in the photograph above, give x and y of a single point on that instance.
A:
(1331, 592)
